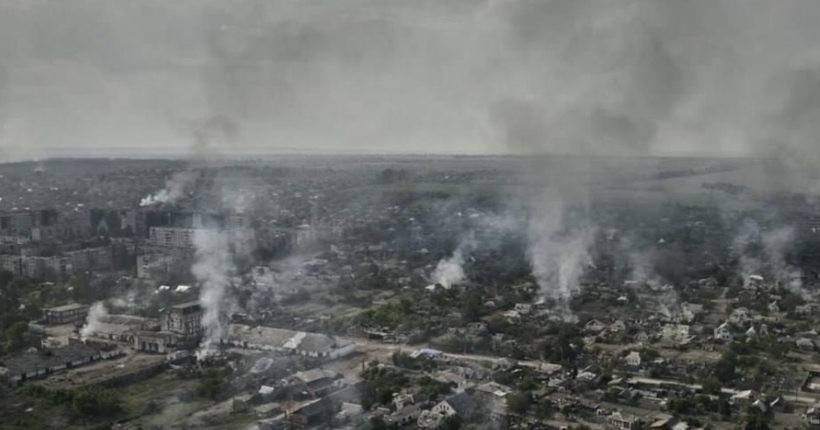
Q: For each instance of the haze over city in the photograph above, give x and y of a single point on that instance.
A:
(409, 214)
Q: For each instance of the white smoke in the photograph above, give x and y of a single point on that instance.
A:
(776, 244)
(450, 271)
(643, 272)
(772, 260)
(174, 190)
(749, 233)
(212, 269)
(558, 261)
(97, 312)
(560, 234)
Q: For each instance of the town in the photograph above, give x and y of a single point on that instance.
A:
(398, 292)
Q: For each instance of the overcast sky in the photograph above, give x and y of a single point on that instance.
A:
(455, 76)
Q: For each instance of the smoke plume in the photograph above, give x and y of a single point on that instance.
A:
(764, 253)
(96, 313)
(212, 269)
(776, 244)
(450, 271)
(175, 189)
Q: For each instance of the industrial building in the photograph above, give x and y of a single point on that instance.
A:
(293, 342)
(66, 314)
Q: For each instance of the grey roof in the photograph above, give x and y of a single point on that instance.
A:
(187, 305)
(282, 339)
(68, 307)
(462, 403)
(317, 343)
(102, 328)
(351, 394)
(30, 362)
(314, 375)
(129, 320)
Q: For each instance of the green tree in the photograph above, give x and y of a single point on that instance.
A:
(211, 385)
(725, 367)
(471, 309)
(16, 336)
(453, 422)
(725, 408)
(544, 410)
(518, 403)
(755, 422)
(96, 403)
(377, 423)
(712, 386)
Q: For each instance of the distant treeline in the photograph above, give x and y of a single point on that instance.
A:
(731, 189)
(682, 173)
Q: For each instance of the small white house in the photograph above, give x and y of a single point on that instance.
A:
(724, 333)
(633, 359)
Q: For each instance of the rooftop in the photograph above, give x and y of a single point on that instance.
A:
(68, 307)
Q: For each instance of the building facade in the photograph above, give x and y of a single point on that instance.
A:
(66, 314)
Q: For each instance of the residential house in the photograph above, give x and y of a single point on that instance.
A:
(594, 326)
(460, 404)
(633, 359)
(689, 312)
(740, 316)
(401, 400)
(724, 333)
(745, 397)
(404, 416)
(617, 327)
(623, 421)
(812, 415)
(675, 333)
(805, 344)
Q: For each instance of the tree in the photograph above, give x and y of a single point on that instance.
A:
(518, 403)
(712, 386)
(471, 309)
(544, 410)
(96, 403)
(211, 384)
(755, 422)
(453, 422)
(16, 336)
(377, 423)
(725, 367)
(725, 408)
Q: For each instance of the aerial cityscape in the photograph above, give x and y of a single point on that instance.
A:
(409, 215)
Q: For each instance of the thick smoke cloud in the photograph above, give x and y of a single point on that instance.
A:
(593, 76)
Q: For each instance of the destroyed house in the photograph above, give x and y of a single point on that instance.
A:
(322, 410)
(316, 382)
(311, 414)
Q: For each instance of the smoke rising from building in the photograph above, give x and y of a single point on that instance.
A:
(764, 253)
(212, 269)
(96, 313)
(450, 271)
(175, 189)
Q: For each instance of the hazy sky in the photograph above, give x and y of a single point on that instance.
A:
(454, 76)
